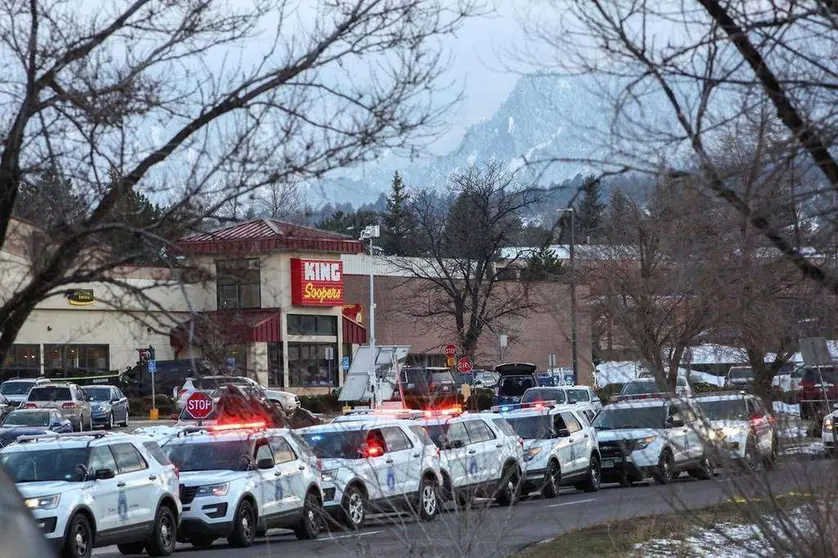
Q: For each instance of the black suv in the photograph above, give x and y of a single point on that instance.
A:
(428, 388)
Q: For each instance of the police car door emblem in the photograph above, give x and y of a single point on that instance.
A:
(472, 466)
(279, 492)
(122, 507)
(391, 479)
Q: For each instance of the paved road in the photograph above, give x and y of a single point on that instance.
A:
(499, 531)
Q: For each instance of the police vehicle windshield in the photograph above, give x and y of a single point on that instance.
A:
(233, 455)
(577, 395)
(27, 418)
(347, 444)
(533, 427)
(46, 465)
(724, 409)
(630, 417)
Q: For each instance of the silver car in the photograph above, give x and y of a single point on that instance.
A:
(17, 389)
(69, 399)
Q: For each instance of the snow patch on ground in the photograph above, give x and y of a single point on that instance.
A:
(810, 448)
(793, 431)
(726, 540)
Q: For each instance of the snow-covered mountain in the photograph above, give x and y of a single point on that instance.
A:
(546, 117)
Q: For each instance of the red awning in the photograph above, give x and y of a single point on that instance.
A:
(229, 326)
(353, 332)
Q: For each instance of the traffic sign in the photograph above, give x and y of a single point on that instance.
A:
(464, 365)
(450, 350)
(199, 405)
(451, 361)
(344, 363)
(330, 353)
(152, 367)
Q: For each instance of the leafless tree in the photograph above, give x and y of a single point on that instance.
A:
(461, 239)
(278, 200)
(687, 72)
(196, 104)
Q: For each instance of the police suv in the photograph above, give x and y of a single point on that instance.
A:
(741, 428)
(375, 465)
(481, 456)
(560, 447)
(659, 436)
(239, 480)
(97, 489)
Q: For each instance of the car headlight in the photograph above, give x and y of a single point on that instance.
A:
(43, 502)
(329, 475)
(827, 424)
(643, 443)
(216, 490)
(530, 454)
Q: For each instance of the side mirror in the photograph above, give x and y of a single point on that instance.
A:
(265, 463)
(244, 463)
(563, 433)
(104, 474)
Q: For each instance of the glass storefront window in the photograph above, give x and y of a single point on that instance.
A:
(22, 360)
(238, 284)
(69, 360)
(276, 375)
(308, 367)
(306, 324)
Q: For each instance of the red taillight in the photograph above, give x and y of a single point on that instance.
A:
(181, 392)
(30, 406)
(807, 384)
(375, 451)
(69, 405)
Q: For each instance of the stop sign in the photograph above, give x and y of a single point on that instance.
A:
(450, 350)
(199, 405)
(464, 365)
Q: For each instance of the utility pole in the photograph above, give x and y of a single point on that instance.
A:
(573, 291)
(369, 233)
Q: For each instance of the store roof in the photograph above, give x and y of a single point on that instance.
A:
(268, 235)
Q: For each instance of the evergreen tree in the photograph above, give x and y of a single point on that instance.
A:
(49, 202)
(590, 212)
(136, 211)
(349, 222)
(398, 221)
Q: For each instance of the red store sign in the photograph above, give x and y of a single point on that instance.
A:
(316, 282)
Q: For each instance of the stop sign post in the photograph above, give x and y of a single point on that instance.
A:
(464, 365)
(199, 405)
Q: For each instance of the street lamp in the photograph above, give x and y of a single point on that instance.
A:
(572, 290)
(371, 232)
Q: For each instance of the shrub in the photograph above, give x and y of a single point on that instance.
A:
(480, 400)
(327, 403)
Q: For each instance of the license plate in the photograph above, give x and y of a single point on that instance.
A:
(608, 463)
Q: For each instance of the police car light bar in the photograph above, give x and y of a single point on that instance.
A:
(454, 411)
(56, 435)
(238, 426)
(519, 406)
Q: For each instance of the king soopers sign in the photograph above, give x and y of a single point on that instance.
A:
(316, 282)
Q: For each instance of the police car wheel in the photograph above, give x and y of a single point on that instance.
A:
(131, 548)
(771, 458)
(309, 525)
(428, 500)
(551, 481)
(244, 526)
(164, 537)
(593, 478)
(354, 508)
(79, 541)
(665, 470)
(510, 487)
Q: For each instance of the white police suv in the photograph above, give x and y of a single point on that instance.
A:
(741, 429)
(239, 480)
(481, 456)
(658, 436)
(374, 466)
(97, 489)
(560, 447)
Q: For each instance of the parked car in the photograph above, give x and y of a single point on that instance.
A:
(584, 395)
(109, 406)
(485, 379)
(428, 388)
(6, 407)
(68, 399)
(644, 387)
(17, 390)
(742, 429)
(818, 390)
(515, 379)
(288, 401)
(739, 377)
(27, 422)
(788, 380)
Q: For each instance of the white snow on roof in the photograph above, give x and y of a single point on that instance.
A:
(620, 372)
